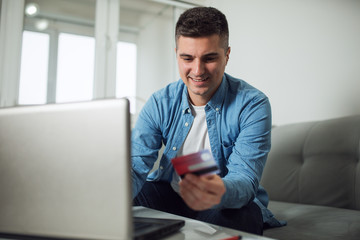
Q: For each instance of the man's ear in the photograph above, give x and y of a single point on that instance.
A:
(228, 54)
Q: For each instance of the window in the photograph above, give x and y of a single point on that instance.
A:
(34, 68)
(58, 58)
(75, 71)
(126, 72)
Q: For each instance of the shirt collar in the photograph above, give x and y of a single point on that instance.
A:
(215, 102)
(185, 103)
(218, 98)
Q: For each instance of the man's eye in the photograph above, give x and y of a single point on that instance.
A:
(210, 59)
(187, 59)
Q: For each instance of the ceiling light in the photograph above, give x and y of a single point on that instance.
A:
(31, 9)
(42, 24)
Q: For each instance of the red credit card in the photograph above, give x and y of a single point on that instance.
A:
(199, 163)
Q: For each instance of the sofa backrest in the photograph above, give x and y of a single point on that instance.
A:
(315, 163)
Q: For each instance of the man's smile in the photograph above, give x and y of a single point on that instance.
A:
(199, 79)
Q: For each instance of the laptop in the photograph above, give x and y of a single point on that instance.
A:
(65, 173)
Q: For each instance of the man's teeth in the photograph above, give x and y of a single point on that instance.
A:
(199, 80)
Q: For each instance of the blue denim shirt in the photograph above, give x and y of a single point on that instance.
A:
(238, 118)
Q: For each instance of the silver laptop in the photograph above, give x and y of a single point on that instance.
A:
(65, 172)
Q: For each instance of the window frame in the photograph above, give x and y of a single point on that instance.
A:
(54, 30)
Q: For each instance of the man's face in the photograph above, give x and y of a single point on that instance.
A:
(201, 63)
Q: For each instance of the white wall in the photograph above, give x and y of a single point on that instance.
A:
(156, 54)
(304, 54)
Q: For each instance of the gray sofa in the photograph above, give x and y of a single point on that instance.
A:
(312, 176)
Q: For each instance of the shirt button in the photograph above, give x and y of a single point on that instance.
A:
(174, 148)
(161, 167)
(186, 124)
(217, 109)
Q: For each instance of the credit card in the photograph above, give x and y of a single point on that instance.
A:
(199, 163)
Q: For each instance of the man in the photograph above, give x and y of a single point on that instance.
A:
(206, 109)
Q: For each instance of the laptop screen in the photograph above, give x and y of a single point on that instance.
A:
(65, 170)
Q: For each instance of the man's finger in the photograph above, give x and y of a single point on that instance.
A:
(193, 194)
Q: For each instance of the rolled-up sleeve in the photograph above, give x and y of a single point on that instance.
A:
(146, 142)
(249, 153)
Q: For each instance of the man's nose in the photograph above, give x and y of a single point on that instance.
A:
(198, 68)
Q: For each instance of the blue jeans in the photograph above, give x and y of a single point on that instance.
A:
(161, 196)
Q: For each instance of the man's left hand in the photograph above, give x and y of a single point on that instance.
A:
(201, 192)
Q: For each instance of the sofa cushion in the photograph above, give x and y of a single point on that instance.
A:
(315, 163)
(314, 222)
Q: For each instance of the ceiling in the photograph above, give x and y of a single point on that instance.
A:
(83, 11)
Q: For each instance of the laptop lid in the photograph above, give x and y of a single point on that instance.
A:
(65, 170)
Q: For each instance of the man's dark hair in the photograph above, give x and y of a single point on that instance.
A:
(203, 22)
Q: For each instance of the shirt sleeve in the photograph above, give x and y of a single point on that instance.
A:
(249, 153)
(146, 142)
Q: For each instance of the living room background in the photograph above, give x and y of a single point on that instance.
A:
(303, 54)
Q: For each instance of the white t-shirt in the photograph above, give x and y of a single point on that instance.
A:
(196, 140)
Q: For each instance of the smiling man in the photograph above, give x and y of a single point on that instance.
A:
(206, 109)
